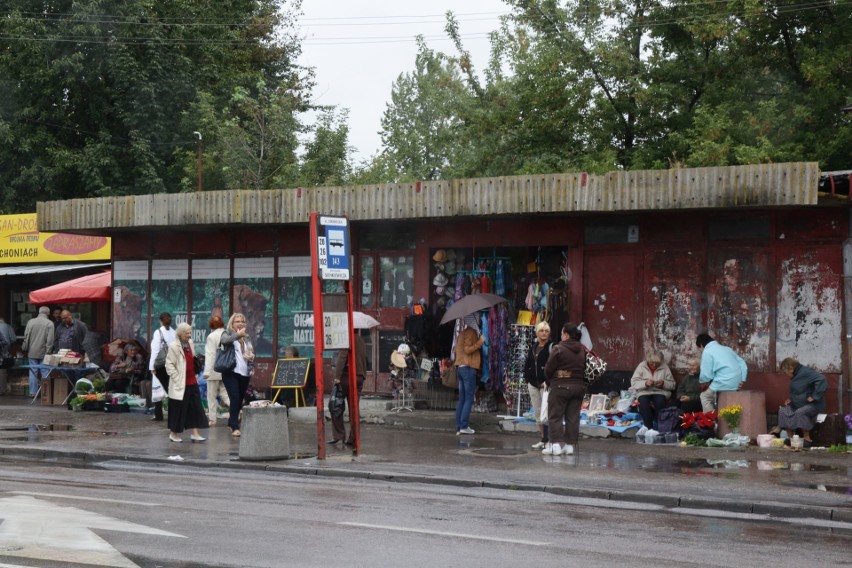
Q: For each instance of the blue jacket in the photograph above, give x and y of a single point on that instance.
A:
(722, 368)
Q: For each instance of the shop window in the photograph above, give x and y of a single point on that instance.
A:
(730, 228)
(402, 236)
(396, 278)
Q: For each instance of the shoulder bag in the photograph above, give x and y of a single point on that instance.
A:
(595, 366)
(226, 359)
(160, 360)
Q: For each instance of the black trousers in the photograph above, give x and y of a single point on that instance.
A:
(164, 380)
(338, 427)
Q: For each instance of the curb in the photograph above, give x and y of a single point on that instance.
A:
(763, 508)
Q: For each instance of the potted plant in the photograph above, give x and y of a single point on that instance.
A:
(732, 416)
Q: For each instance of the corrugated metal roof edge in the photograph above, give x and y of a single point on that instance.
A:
(730, 187)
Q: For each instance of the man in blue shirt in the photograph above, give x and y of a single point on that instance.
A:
(721, 370)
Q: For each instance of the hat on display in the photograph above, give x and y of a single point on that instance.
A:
(451, 254)
(450, 292)
(439, 266)
(440, 279)
(439, 290)
(441, 302)
(450, 268)
(403, 348)
(398, 360)
(440, 256)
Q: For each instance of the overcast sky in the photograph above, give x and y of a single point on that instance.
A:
(359, 47)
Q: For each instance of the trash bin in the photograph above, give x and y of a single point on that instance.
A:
(264, 433)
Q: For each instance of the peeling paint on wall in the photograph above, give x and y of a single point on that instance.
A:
(676, 318)
(808, 322)
(738, 311)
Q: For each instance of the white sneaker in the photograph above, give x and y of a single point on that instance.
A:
(568, 450)
(538, 445)
(552, 450)
(467, 430)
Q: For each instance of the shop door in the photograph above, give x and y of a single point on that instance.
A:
(610, 307)
(385, 292)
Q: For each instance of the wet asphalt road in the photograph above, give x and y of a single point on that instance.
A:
(219, 517)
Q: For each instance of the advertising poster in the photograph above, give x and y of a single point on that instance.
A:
(295, 305)
(210, 286)
(169, 291)
(129, 300)
(252, 297)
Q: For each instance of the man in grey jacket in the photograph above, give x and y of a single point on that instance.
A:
(38, 341)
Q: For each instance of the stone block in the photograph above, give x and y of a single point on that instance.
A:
(265, 434)
(753, 419)
(594, 431)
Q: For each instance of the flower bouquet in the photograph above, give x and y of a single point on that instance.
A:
(702, 424)
(732, 416)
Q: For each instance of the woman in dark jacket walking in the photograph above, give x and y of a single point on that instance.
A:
(564, 375)
(534, 376)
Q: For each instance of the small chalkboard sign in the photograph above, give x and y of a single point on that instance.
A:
(290, 373)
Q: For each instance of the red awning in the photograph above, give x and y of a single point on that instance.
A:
(91, 288)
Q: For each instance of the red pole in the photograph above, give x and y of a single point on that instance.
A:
(354, 407)
(318, 333)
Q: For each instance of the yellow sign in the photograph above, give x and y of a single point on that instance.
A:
(21, 242)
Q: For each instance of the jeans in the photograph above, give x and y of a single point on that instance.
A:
(236, 386)
(34, 374)
(467, 388)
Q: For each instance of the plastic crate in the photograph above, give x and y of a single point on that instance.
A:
(670, 438)
(110, 407)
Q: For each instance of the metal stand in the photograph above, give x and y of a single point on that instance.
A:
(406, 392)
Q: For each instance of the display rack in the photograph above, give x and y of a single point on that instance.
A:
(520, 339)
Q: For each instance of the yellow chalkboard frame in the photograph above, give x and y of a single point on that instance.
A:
(300, 387)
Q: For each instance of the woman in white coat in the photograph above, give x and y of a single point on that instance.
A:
(215, 387)
(185, 408)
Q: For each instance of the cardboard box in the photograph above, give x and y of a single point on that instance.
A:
(61, 388)
(52, 360)
(70, 361)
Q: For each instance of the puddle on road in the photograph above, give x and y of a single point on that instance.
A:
(52, 427)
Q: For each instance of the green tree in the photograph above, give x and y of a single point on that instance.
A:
(420, 124)
(326, 160)
(99, 97)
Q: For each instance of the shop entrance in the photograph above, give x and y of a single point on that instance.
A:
(610, 303)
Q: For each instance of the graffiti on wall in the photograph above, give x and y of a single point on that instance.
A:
(738, 312)
(808, 322)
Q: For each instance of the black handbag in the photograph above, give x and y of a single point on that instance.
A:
(226, 359)
(336, 402)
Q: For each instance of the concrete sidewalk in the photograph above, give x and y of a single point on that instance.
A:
(421, 447)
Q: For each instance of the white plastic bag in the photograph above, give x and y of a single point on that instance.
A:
(585, 337)
(542, 416)
(158, 393)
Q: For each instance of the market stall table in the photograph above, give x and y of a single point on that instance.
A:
(71, 374)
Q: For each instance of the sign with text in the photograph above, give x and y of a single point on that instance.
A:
(335, 329)
(21, 242)
(290, 373)
(333, 248)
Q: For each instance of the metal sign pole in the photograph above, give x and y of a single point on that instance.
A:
(318, 337)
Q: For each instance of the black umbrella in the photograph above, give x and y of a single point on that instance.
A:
(470, 305)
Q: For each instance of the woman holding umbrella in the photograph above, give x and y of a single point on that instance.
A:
(468, 361)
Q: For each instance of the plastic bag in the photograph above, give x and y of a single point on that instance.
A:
(729, 441)
(542, 415)
(336, 402)
(158, 393)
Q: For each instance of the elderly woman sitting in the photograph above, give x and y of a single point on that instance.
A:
(807, 391)
(126, 369)
(652, 383)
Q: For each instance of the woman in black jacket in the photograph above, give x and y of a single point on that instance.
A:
(534, 376)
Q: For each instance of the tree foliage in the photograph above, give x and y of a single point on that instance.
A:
(101, 97)
(604, 84)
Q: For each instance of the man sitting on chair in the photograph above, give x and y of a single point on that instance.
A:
(126, 369)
